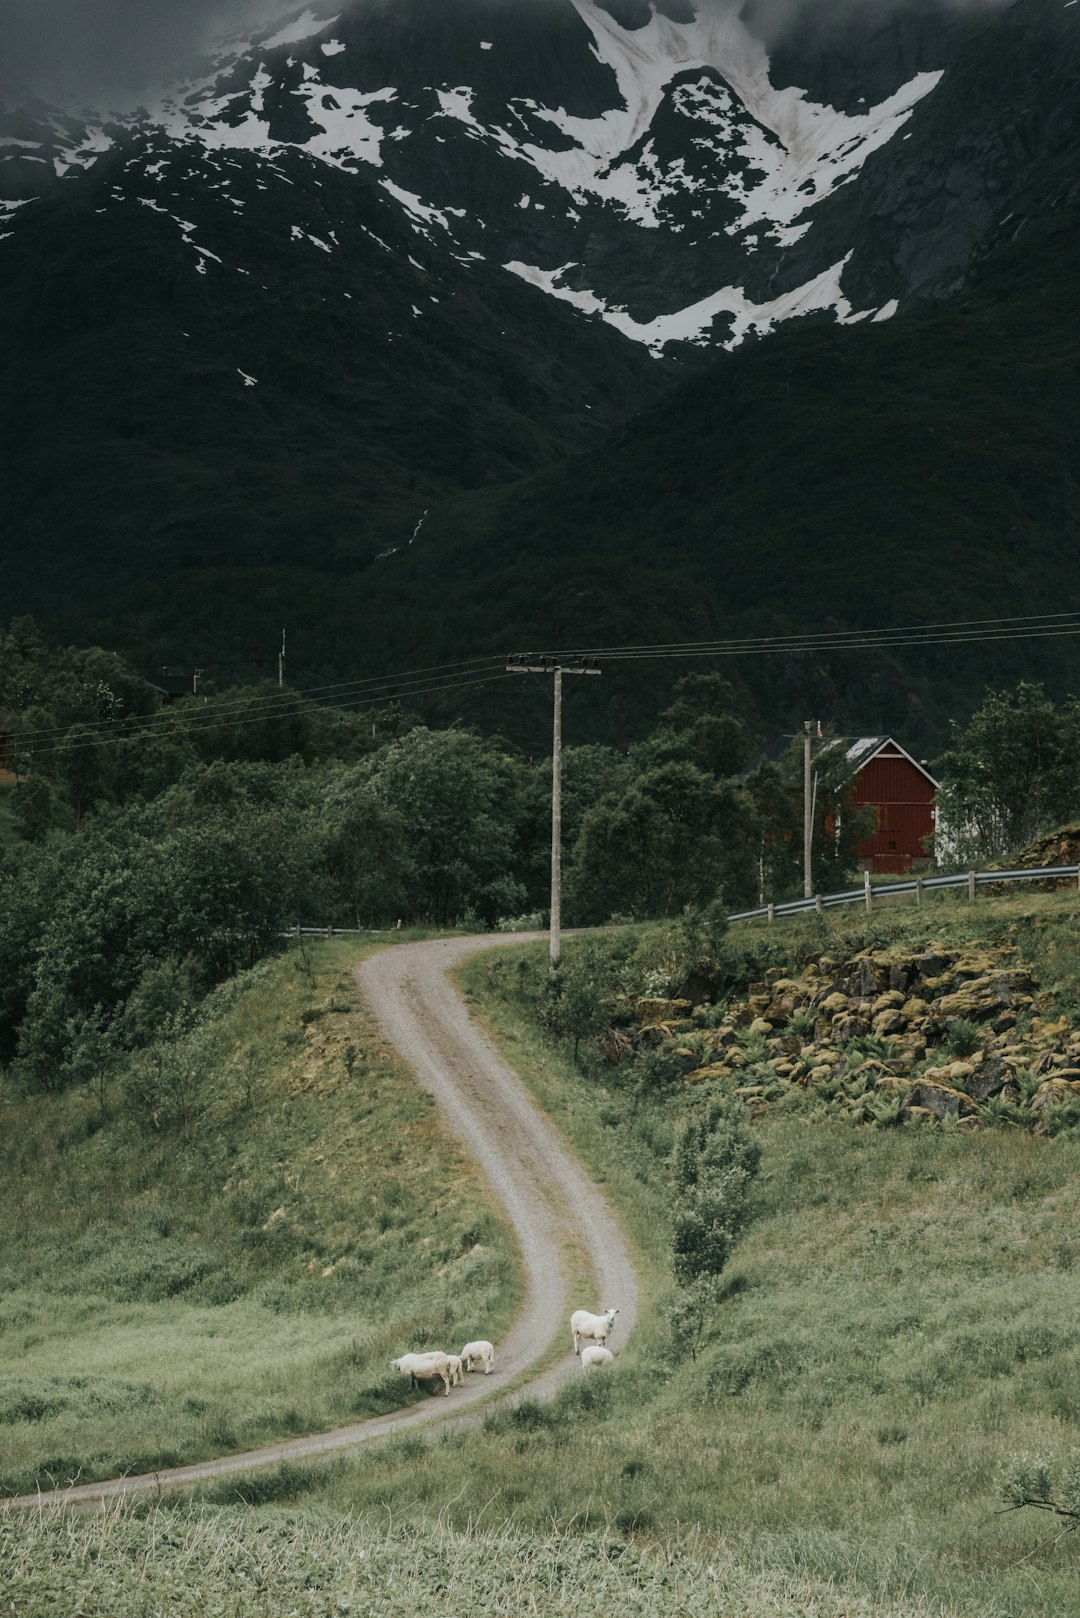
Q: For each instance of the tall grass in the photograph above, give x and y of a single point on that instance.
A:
(201, 1563)
(170, 1293)
(897, 1322)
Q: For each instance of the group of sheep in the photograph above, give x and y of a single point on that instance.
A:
(450, 1368)
(590, 1334)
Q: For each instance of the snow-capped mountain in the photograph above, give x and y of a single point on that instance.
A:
(388, 258)
(644, 163)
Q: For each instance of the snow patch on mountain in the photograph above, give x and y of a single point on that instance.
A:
(795, 151)
(302, 28)
(694, 323)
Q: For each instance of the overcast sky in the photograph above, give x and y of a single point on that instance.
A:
(84, 48)
(92, 45)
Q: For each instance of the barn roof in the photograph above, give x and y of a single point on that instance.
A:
(861, 749)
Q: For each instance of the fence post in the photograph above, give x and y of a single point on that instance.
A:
(771, 913)
(868, 891)
(918, 891)
(971, 887)
(820, 908)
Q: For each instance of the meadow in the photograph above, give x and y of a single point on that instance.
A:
(897, 1323)
(204, 1265)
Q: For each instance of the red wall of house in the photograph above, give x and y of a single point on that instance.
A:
(905, 800)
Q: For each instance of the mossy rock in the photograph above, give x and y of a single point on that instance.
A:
(651, 1011)
(941, 1099)
(1062, 1087)
(712, 1070)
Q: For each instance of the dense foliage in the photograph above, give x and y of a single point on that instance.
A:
(148, 853)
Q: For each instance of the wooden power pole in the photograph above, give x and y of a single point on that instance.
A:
(808, 813)
(526, 664)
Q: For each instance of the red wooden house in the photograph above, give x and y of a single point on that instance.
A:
(903, 791)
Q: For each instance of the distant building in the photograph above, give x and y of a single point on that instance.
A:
(175, 683)
(902, 791)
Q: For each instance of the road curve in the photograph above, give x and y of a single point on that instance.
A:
(546, 1195)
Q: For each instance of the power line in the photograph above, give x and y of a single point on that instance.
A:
(349, 693)
(881, 641)
(208, 721)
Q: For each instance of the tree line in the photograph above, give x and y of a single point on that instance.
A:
(149, 853)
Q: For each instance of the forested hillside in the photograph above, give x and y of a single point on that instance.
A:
(394, 383)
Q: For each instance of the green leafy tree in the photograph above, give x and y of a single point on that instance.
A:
(572, 1004)
(461, 801)
(673, 838)
(1012, 773)
(701, 727)
(369, 863)
(714, 1162)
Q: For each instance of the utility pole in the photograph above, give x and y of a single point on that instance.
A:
(808, 813)
(526, 664)
(281, 664)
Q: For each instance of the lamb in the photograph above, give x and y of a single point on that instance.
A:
(596, 1356)
(591, 1328)
(456, 1373)
(481, 1353)
(425, 1368)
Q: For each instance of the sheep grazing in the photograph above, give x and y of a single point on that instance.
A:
(425, 1368)
(588, 1328)
(596, 1356)
(478, 1353)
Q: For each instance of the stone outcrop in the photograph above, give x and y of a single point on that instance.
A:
(945, 1033)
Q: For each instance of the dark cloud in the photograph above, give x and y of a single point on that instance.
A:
(88, 47)
(772, 18)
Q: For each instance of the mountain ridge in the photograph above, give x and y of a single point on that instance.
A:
(242, 369)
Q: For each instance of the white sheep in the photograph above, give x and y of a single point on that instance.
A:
(456, 1372)
(425, 1367)
(596, 1356)
(481, 1353)
(588, 1328)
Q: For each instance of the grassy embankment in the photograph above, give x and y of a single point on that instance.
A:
(898, 1321)
(243, 1267)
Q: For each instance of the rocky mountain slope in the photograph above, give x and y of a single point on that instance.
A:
(256, 330)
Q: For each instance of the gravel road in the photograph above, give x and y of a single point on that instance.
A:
(547, 1196)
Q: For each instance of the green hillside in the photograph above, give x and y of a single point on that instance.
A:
(895, 1325)
(229, 1242)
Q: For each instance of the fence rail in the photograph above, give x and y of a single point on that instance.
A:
(868, 895)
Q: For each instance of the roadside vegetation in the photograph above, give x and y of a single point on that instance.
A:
(859, 1302)
(230, 1243)
(891, 1329)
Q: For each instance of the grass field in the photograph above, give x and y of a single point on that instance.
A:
(898, 1322)
(244, 1268)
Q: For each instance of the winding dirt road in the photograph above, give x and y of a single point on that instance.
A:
(547, 1196)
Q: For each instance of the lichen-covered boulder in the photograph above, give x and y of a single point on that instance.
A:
(941, 1099)
(1062, 1087)
(651, 1010)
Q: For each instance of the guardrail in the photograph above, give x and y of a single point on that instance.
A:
(868, 894)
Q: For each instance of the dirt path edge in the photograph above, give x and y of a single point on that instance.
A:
(547, 1196)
